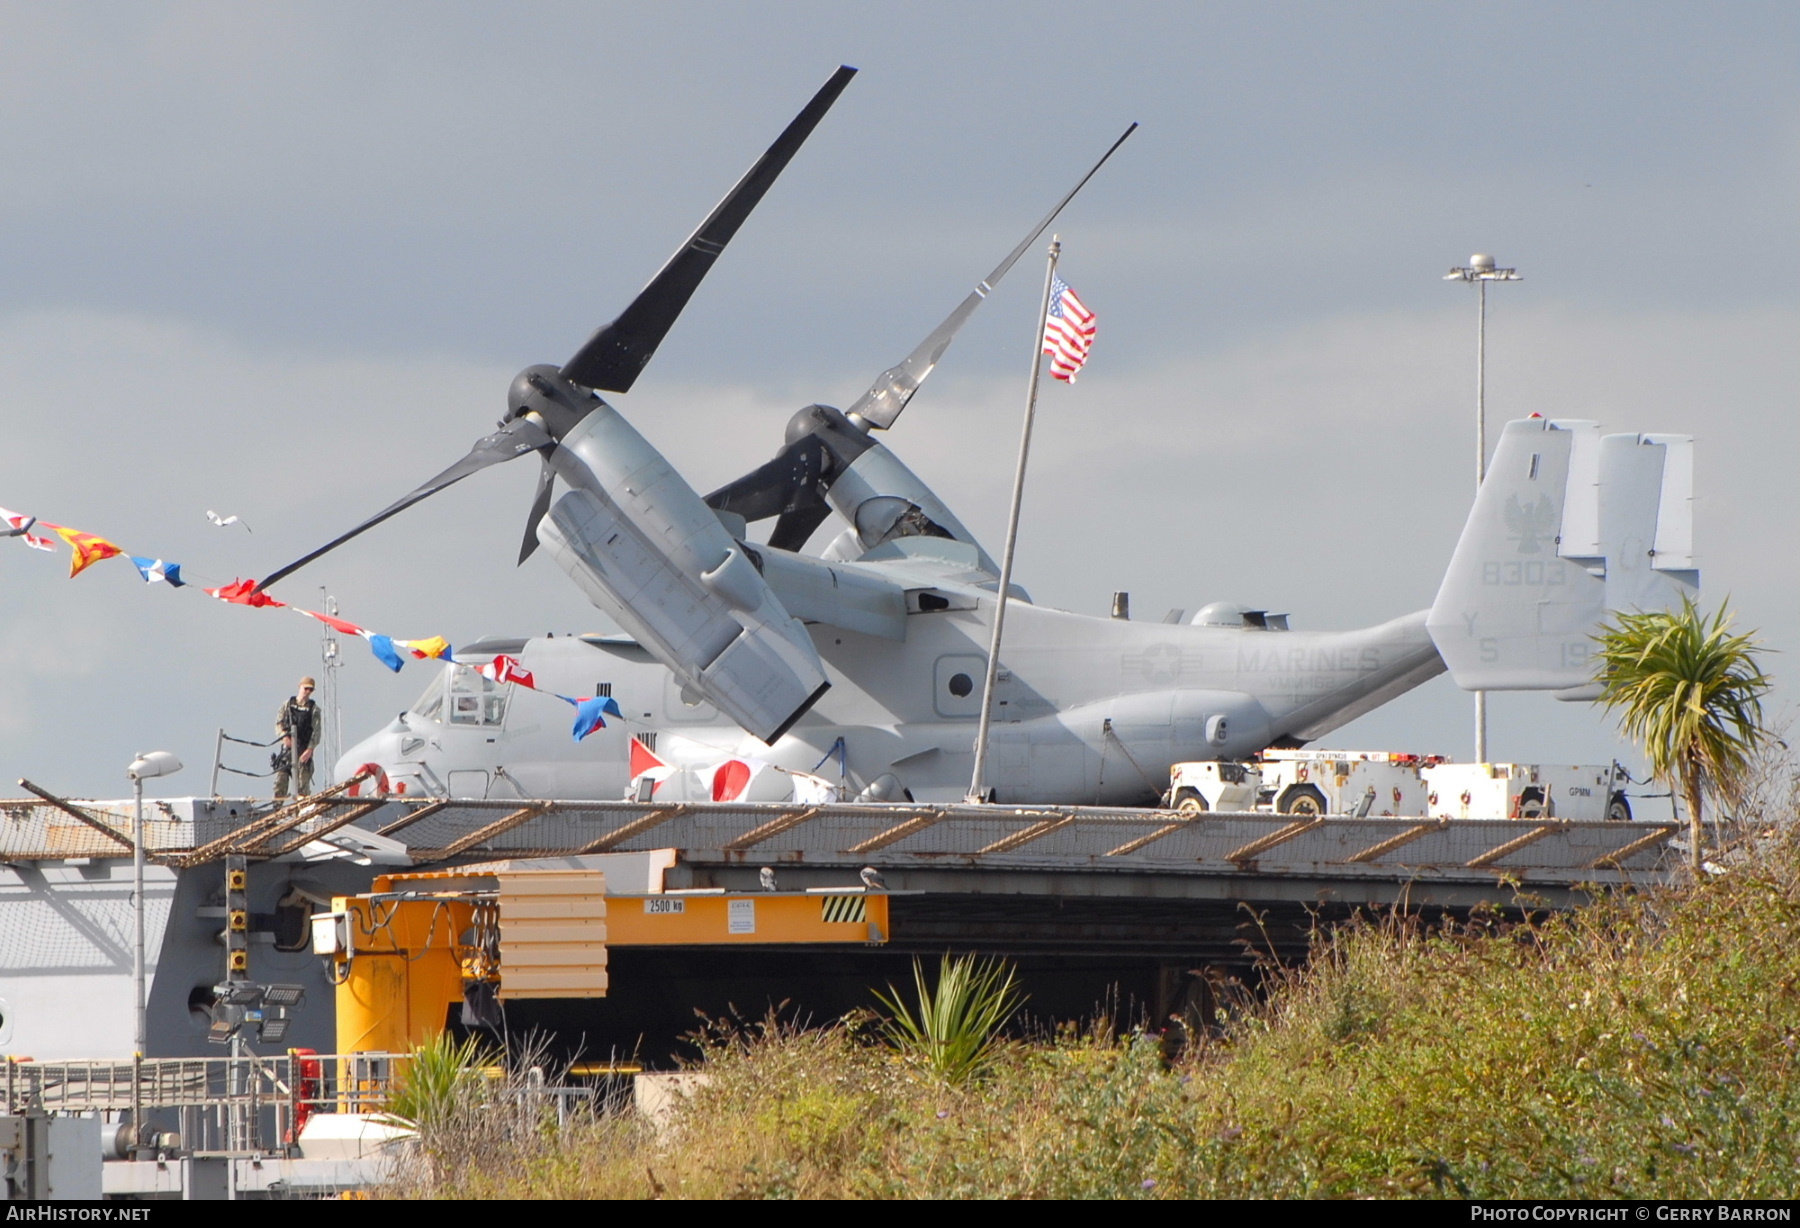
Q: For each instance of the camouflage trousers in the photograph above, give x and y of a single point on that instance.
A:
(302, 780)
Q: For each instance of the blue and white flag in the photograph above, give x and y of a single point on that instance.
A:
(156, 569)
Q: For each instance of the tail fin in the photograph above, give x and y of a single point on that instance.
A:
(1567, 526)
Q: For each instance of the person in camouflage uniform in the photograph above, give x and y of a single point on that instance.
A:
(300, 724)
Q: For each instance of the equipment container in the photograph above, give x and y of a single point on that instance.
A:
(1526, 791)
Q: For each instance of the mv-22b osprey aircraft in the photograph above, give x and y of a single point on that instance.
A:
(858, 669)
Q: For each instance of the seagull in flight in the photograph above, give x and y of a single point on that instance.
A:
(226, 521)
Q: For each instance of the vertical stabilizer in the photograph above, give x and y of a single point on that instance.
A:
(1674, 549)
(1512, 613)
(1647, 523)
(1581, 539)
(1568, 526)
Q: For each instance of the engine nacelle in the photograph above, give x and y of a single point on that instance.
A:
(883, 499)
(645, 549)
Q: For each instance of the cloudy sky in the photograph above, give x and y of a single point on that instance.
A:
(281, 261)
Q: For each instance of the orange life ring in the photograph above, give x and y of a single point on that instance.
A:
(380, 786)
(1302, 773)
(1465, 797)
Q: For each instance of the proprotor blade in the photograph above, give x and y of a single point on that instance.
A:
(540, 507)
(516, 438)
(787, 483)
(796, 528)
(613, 357)
(884, 400)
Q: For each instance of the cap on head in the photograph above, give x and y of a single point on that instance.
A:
(308, 684)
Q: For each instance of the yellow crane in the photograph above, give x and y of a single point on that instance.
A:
(416, 944)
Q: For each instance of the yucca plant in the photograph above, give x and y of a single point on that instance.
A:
(955, 1028)
(1690, 693)
(440, 1077)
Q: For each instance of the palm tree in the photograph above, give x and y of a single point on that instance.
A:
(1690, 693)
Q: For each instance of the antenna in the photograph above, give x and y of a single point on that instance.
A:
(329, 664)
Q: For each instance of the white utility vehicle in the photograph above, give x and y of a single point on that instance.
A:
(1383, 784)
(1305, 782)
(1213, 785)
(1377, 783)
(1526, 791)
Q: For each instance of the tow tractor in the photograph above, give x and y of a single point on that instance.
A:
(1306, 782)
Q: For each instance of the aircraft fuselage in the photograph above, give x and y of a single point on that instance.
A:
(1086, 709)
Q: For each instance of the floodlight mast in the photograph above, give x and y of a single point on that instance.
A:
(1481, 270)
(149, 764)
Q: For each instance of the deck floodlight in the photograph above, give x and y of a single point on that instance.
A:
(1481, 267)
(240, 993)
(152, 763)
(148, 764)
(244, 1008)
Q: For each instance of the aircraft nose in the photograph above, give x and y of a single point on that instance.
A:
(379, 749)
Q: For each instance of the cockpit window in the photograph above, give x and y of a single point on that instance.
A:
(431, 704)
(475, 700)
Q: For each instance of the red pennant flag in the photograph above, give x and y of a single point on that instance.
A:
(87, 549)
(642, 760)
(336, 624)
(243, 592)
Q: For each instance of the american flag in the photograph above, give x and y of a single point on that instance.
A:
(1068, 332)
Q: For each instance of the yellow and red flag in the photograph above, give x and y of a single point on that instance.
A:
(435, 647)
(87, 549)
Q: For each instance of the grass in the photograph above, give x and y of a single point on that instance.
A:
(1643, 1047)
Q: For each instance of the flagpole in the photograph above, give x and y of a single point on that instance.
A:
(977, 791)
